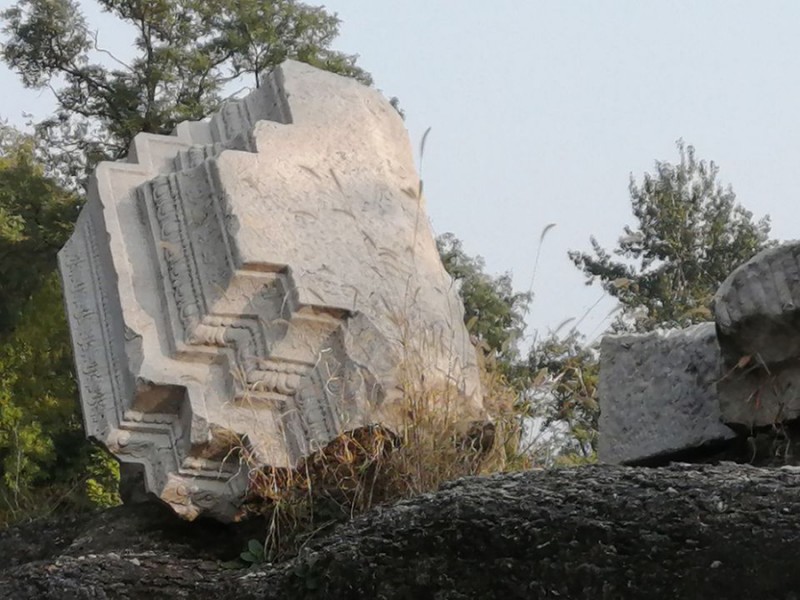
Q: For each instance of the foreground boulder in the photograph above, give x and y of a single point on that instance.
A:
(598, 532)
(243, 291)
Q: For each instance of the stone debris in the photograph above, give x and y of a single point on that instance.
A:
(667, 393)
(245, 290)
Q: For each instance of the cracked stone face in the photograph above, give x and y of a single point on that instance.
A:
(265, 279)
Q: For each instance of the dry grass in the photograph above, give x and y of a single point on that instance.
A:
(372, 465)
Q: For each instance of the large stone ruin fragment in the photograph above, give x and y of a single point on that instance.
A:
(256, 284)
(665, 393)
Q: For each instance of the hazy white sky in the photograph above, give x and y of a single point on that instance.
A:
(540, 111)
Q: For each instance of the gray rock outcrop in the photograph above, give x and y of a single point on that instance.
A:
(597, 532)
(245, 290)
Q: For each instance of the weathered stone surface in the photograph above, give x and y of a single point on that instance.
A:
(756, 395)
(757, 308)
(261, 280)
(757, 313)
(599, 532)
(658, 395)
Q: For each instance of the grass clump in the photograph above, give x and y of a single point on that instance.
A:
(372, 465)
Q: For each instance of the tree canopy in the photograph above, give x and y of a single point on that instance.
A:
(36, 217)
(185, 55)
(493, 312)
(690, 235)
(569, 369)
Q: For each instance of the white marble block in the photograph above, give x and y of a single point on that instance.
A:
(262, 280)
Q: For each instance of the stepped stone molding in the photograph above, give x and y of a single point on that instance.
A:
(256, 284)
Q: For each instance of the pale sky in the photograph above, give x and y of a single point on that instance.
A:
(539, 111)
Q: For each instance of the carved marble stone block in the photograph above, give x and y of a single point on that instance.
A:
(256, 284)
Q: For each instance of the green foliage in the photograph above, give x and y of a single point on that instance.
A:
(44, 458)
(102, 485)
(257, 35)
(39, 422)
(35, 220)
(691, 234)
(570, 369)
(186, 52)
(254, 554)
(494, 313)
(556, 386)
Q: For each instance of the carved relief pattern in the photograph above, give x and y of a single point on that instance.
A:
(195, 156)
(88, 306)
(283, 378)
(164, 194)
(192, 267)
(83, 317)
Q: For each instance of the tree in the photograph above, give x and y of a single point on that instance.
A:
(36, 218)
(43, 453)
(555, 388)
(691, 234)
(493, 312)
(565, 371)
(37, 402)
(185, 54)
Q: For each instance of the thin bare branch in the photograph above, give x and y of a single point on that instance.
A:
(108, 53)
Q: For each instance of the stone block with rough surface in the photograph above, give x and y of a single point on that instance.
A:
(757, 312)
(757, 396)
(658, 395)
(261, 281)
(757, 308)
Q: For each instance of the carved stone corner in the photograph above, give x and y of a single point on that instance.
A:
(243, 291)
